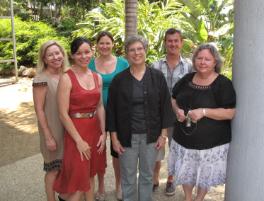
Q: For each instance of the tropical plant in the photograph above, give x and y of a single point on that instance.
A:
(200, 20)
(210, 21)
(108, 16)
(153, 20)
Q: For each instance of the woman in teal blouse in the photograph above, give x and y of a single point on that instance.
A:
(121, 64)
(108, 65)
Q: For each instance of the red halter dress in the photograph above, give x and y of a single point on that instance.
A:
(75, 173)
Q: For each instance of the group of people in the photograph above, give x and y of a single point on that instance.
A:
(139, 106)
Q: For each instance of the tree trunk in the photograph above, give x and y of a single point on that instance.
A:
(131, 17)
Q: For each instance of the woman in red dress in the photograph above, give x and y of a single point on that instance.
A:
(82, 114)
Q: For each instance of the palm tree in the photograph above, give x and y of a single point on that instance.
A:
(130, 17)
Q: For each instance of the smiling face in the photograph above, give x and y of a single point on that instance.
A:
(136, 54)
(105, 46)
(173, 44)
(205, 62)
(53, 57)
(83, 55)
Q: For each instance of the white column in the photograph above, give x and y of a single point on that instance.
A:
(245, 172)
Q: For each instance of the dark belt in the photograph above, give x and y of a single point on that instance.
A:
(79, 115)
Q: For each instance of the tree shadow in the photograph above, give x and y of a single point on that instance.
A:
(18, 133)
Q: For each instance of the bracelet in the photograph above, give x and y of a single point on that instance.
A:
(204, 112)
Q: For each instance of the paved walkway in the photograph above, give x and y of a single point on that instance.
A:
(23, 181)
(21, 175)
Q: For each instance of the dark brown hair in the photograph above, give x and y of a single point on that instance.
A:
(102, 34)
(171, 31)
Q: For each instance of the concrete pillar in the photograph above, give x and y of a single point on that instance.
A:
(245, 172)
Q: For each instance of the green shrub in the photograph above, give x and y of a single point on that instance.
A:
(29, 36)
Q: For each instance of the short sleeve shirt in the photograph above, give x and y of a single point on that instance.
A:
(207, 133)
(172, 77)
(121, 64)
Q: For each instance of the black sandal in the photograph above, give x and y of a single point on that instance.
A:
(155, 186)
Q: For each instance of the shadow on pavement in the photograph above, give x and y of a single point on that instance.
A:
(18, 134)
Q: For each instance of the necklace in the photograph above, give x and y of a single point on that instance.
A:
(198, 80)
(106, 66)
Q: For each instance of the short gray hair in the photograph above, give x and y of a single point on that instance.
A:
(212, 49)
(133, 39)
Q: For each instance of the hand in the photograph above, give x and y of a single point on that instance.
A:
(84, 149)
(101, 143)
(196, 114)
(51, 144)
(180, 115)
(160, 142)
(117, 146)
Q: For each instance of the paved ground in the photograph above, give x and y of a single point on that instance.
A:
(21, 175)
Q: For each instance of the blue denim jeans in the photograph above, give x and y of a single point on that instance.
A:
(140, 156)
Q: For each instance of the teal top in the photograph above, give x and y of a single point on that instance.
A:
(121, 64)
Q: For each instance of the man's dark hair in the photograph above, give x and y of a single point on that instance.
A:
(171, 31)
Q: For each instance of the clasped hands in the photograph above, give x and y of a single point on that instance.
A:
(195, 115)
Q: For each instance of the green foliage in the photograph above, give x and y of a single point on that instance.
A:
(4, 5)
(210, 21)
(201, 21)
(108, 16)
(21, 10)
(227, 72)
(153, 19)
(29, 36)
(66, 26)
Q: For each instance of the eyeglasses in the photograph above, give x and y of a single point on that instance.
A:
(135, 50)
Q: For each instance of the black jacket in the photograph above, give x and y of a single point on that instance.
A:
(157, 101)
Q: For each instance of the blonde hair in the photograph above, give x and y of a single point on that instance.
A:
(41, 66)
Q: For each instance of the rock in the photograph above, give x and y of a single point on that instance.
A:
(29, 72)
(21, 70)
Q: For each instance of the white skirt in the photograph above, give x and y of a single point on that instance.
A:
(202, 168)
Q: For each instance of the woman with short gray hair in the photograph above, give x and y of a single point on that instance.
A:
(204, 103)
(138, 115)
(134, 39)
